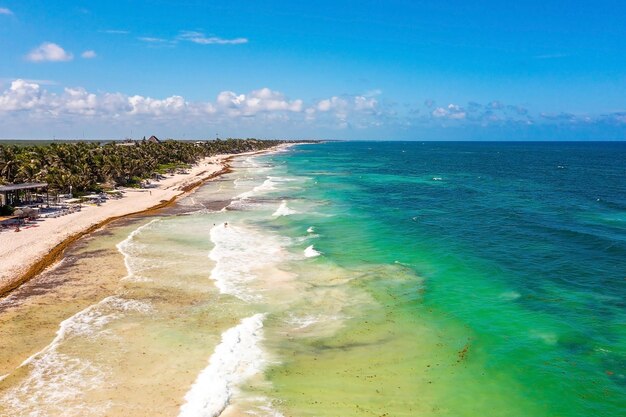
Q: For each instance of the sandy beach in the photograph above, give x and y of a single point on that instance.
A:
(27, 252)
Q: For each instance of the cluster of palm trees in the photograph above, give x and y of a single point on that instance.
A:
(91, 166)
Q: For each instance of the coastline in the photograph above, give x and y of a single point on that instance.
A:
(31, 251)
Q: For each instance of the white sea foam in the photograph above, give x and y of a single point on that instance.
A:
(306, 238)
(87, 322)
(437, 179)
(302, 322)
(237, 358)
(267, 186)
(270, 184)
(130, 249)
(310, 252)
(54, 382)
(310, 230)
(238, 254)
(283, 210)
(251, 162)
(279, 179)
(56, 379)
(263, 408)
(241, 181)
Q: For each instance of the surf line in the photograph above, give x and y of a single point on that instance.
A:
(125, 245)
(238, 357)
(80, 320)
(284, 210)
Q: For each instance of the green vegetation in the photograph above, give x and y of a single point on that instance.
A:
(92, 166)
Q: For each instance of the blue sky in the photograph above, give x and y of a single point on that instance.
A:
(453, 70)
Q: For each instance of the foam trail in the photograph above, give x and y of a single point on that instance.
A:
(310, 252)
(283, 210)
(56, 379)
(302, 322)
(267, 186)
(265, 409)
(237, 358)
(310, 230)
(238, 253)
(87, 321)
(126, 246)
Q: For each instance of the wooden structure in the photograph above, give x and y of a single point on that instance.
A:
(25, 193)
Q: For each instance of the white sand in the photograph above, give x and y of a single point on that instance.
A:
(20, 250)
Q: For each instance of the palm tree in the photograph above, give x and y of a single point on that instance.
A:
(84, 165)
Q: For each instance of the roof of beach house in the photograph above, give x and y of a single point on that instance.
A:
(22, 186)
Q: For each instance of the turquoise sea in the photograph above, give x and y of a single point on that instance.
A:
(498, 270)
(345, 279)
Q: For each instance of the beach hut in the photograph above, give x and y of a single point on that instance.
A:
(24, 193)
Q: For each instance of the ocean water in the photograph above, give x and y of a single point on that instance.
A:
(344, 279)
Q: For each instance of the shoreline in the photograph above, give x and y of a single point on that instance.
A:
(35, 250)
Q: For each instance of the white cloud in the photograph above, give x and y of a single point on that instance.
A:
(5, 11)
(89, 54)
(439, 112)
(149, 106)
(194, 37)
(22, 95)
(152, 40)
(359, 111)
(116, 32)
(202, 39)
(158, 42)
(78, 101)
(258, 101)
(49, 52)
(263, 107)
(27, 102)
(452, 112)
(365, 104)
(494, 113)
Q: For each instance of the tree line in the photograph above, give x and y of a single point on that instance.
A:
(92, 166)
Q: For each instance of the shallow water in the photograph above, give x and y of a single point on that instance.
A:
(343, 279)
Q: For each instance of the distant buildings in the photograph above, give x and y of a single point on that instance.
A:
(130, 142)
